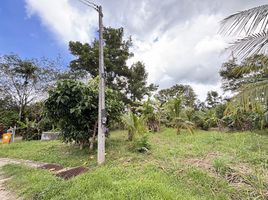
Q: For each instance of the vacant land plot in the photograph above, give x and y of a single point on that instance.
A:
(205, 165)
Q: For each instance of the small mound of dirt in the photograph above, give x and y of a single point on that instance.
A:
(72, 172)
(52, 167)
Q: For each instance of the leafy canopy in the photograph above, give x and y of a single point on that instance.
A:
(170, 93)
(130, 82)
(249, 78)
(73, 105)
(24, 81)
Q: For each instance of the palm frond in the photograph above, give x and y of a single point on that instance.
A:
(252, 44)
(134, 123)
(249, 21)
(256, 64)
(248, 69)
(189, 126)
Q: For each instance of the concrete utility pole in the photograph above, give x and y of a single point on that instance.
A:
(102, 112)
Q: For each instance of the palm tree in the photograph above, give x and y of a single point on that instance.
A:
(151, 114)
(253, 25)
(134, 124)
(174, 108)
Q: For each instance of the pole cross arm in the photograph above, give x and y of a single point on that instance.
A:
(92, 5)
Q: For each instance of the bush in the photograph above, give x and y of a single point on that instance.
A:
(247, 117)
(9, 114)
(134, 124)
(29, 130)
(73, 105)
(141, 144)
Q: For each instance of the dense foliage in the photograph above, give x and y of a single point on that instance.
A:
(24, 81)
(8, 112)
(73, 106)
(131, 82)
(187, 91)
(248, 77)
(248, 109)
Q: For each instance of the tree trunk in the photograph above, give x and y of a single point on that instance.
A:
(130, 135)
(81, 145)
(159, 126)
(20, 113)
(92, 139)
(178, 130)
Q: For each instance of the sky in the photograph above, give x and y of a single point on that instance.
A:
(177, 40)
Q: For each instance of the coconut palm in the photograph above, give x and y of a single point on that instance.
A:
(252, 24)
(174, 108)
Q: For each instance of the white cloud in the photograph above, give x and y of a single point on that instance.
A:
(65, 20)
(188, 52)
(176, 39)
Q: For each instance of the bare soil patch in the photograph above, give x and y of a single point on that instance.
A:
(52, 167)
(70, 173)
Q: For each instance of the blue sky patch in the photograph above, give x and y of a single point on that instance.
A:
(26, 36)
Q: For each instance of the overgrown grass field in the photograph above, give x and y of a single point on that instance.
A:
(204, 165)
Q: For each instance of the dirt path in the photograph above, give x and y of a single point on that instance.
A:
(7, 195)
(4, 194)
(56, 169)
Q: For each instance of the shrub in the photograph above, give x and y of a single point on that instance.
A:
(134, 124)
(29, 130)
(73, 105)
(141, 144)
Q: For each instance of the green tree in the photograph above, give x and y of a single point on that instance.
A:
(73, 105)
(246, 80)
(249, 116)
(116, 54)
(170, 93)
(230, 80)
(152, 115)
(131, 82)
(8, 112)
(213, 99)
(29, 130)
(137, 131)
(175, 111)
(24, 81)
(137, 82)
(251, 71)
(134, 124)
